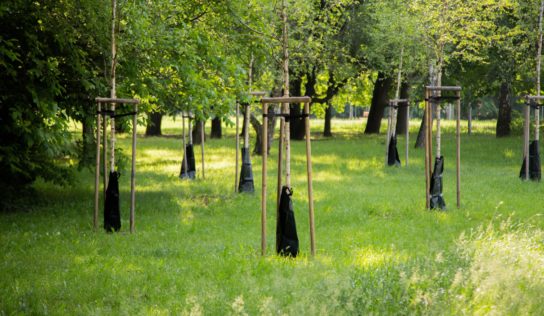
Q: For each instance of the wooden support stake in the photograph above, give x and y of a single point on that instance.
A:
(407, 138)
(458, 95)
(309, 172)
(527, 136)
(97, 169)
(263, 190)
(133, 170)
(237, 147)
(202, 136)
(280, 166)
(185, 163)
(388, 134)
(105, 147)
(427, 160)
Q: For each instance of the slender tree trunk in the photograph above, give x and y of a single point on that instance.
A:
(403, 110)
(328, 116)
(505, 110)
(197, 127)
(216, 131)
(378, 104)
(153, 127)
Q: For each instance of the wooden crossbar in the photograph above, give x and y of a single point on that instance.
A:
(117, 101)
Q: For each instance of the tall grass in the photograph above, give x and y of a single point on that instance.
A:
(197, 243)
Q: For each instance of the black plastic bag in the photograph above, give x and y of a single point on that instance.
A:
(190, 173)
(286, 230)
(246, 174)
(437, 200)
(393, 154)
(112, 215)
(534, 163)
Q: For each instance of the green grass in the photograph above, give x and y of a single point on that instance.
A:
(196, 249)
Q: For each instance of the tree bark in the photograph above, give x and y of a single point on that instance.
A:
(196, 132)
(505, 110)
(258, 127)
(378, 104)
(153, 127)
(403, 110)
(217, 131)
(328, 116)
(296, 121)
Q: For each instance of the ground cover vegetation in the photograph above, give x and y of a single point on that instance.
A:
(195, 249)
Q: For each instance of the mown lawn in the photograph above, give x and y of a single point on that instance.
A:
(196, 249)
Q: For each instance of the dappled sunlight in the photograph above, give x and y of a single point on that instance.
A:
(370, 257)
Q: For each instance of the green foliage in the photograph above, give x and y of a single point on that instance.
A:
(49, 68)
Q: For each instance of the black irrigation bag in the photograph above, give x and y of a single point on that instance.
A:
(534, 163)
(191, 165)
(393, 154)
(437, 201)
(112, 215)
(246, 174)
(286, 230)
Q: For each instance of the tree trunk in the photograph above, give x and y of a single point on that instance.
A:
(259, 131)
(196, 132)
(505, 110)
(88, 143)
(403, 110)
(216, 131)
(153, 127)
(378, 104)
(328, 116)
(297, 123)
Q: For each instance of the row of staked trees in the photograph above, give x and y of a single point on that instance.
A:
(191, 55)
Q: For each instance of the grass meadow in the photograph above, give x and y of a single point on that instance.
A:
(196, 249)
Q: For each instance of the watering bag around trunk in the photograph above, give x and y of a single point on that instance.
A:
(190, 173)
(286, 230)
(112, 215)
(246, 174)
(393, 154)
(437, 200)
(534, 163)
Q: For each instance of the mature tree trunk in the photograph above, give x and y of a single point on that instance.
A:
(87, 154)
(296, 122)
(378, 104)
(505, 110)
(403, 111)
(153, 127)
(197, 127)
(328, 116)
(216, 131)
(258, 126)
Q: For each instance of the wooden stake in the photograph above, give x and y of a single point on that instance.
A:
(309, 172)
(458, 95)
(105, 147)
(388, 134)
(263, 190)
(97, 169)
(133, 170)
(527, 136)
(407, 138)
(427, 154)
(237, 147)
(280, 165)
(185, 163)
(202, 133)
